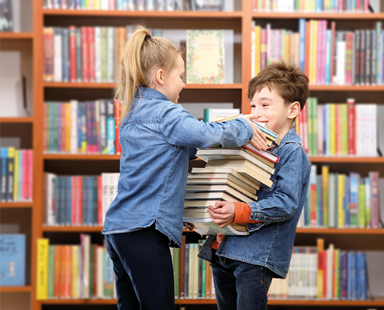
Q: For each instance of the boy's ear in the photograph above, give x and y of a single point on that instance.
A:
(294, 110)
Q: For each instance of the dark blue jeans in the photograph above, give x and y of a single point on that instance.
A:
(239, 285)
(143, 270)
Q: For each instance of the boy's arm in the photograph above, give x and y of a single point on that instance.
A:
(284, 197)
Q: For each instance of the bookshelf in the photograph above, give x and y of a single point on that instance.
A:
(241, 22)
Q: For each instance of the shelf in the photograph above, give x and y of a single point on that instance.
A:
(113, 85)
(16, 119)
(346, 87)
(17, 204)
(15, 289)
(348, 159)
(340, 231)
(16, 35)
(270, 15)
(271, 302)
(81, 157)
(153, 14)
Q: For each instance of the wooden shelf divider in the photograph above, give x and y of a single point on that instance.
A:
(15, 289)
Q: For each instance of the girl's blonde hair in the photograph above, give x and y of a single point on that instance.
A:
(142, 53)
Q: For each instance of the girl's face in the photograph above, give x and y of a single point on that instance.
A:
(174, 81)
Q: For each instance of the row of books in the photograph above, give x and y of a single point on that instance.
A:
(331, 274)
(341, 129)
(78, 200)
(85, 54)
(192, 275)
(342, 201)
(112, 5)
(75, 127)
(16, 173)
(325, 55)
(74, 271)
(357, 6)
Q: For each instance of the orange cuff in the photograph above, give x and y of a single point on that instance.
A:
(242, 213)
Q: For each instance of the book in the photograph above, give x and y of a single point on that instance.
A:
(218, 188)
(42, 269)
(210, 154)
(6, 16)
(205, 56)
(206, 203)
(211, 115)
(13, 258)
(218, 195)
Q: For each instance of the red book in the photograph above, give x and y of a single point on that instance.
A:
(351, 126)
(349, 60)
(182, 267)
(80, 201)
(72, 53)
(333, 29)
(48, 34)
(307, 36)
(313, 190)
(88, 57)
(30, 175)
(267, 155)
(24, 178)
(375, 204)
(117, 126)
(99, 201)
(84, 47)
(91, 46)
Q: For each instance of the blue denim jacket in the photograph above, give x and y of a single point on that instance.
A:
(270, 243)
(156, 137)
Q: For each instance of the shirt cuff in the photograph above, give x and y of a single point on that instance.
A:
(242, 213)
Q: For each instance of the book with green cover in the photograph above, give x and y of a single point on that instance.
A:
(51, 271)
(361, 207)
(176, 271)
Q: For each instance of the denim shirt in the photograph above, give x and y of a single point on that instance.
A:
(270, 243)
(156, 137)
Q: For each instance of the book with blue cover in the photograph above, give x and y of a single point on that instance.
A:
(12, 262)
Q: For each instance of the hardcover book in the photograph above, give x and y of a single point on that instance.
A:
(205, 56)
(12, 262)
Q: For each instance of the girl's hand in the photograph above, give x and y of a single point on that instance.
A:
(258, 139)
(188, 226)
(222, 213)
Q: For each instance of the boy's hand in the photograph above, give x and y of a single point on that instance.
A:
(188, 226)
(222, 213)
(258, 139)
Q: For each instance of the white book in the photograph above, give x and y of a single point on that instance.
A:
(74, 137)
(170, 5)
(253, 49)
(373, 122)
(49, 179)
(359, 128)
(211, 115)
(98, 63)
(100, 272)
(150, 5)
(105, 5)
(314, 274)
(57, 56)
(340, 62)
(111, 66)
(320, 138)
(140, 5)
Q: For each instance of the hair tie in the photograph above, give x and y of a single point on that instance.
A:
(148, 36)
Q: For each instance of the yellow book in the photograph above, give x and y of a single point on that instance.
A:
(68, 127)
(340, 200)
(16, 176)
(336, 270)
(42, 269)
(332, 131)
(325, 173)
(257, 49)
(75, 271)
(313, 52)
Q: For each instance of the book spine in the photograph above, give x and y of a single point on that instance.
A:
(117, 126)
(42, 269)
(110, 128)
(72, 52)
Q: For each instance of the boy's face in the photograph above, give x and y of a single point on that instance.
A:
(269, 107)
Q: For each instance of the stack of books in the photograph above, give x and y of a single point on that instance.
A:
(233, 175)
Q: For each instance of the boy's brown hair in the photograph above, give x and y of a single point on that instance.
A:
(290, 83)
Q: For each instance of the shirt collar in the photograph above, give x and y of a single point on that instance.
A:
(150, 93)
(290, 136)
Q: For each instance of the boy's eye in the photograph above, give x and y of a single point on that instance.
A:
(265, 105)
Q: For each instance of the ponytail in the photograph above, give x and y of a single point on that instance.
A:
(142, 52)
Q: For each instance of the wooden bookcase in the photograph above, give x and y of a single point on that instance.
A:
(241, 22)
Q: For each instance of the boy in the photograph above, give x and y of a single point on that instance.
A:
(244, 266)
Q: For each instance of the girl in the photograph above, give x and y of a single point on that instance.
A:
(157, 137)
